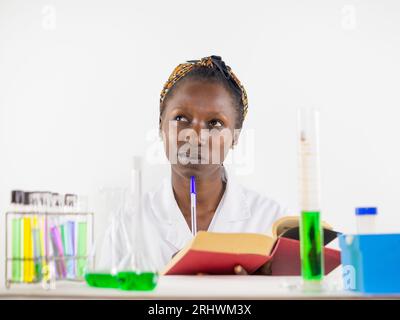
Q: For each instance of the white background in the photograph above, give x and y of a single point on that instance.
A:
(80, 83)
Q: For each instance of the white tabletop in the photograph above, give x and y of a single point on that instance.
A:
(195, 287)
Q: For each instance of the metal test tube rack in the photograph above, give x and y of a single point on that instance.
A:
(89, 216)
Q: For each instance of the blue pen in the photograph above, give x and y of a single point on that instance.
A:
(193, 204)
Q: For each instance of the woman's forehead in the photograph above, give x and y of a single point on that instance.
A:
(210, 96)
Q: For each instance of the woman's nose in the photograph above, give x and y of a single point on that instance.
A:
(199, 133)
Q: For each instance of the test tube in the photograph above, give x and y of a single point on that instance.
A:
(311, 236)
(57, 235)
(17, 201)
(71, 202)
(48, 267)
(28, 266)
(36, 207)
(81, 236)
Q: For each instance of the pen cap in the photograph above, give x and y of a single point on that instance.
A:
(192, 184)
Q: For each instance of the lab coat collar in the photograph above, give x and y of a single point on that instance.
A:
(232, 208)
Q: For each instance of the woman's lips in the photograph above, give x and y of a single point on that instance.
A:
(189, 158)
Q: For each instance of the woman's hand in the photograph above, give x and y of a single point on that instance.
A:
(265, 270)
(238, 270)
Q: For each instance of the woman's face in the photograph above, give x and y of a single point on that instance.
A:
(198, 127)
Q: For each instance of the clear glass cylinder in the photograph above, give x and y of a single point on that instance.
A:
(309, 162)
(311, 235)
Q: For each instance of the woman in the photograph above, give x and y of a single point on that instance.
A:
(202, 109)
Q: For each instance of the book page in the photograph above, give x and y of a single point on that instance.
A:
(249, 243)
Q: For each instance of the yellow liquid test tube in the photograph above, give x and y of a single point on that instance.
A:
(45, 267)
(29, 267)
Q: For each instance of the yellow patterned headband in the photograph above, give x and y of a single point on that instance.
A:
(210, 62)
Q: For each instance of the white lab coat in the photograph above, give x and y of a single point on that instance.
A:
(240, 210)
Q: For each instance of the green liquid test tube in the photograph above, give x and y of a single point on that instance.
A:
(62, 229)
(82, 248)
(16, 250)
(37, 260)
(312, 259)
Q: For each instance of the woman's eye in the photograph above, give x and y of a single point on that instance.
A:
(181, 118)
(216, 123)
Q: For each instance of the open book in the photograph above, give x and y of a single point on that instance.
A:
(219, 253)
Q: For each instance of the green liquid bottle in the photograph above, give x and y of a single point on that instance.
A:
(311, 246)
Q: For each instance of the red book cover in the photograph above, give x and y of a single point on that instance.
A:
(196, 261)
(285, 260)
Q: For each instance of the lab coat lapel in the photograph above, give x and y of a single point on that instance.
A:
(233, 205)
(176, 230)
(232, 208)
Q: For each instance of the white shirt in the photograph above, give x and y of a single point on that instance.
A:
(240, 210)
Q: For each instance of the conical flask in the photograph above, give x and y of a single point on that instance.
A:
(137, 268)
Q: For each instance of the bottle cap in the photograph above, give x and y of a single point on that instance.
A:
(366, 211)
(27, 198)
(70, 200)
(34, 198)
(17, 197)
